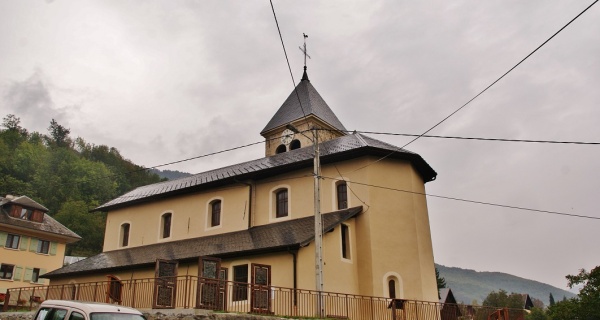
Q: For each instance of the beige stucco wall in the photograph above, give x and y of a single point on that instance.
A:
(390, 240)
(190, 217)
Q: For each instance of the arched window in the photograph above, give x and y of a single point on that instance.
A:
(342, 195)
(125, 234)
(281, 203)
(295, 144)
(392, 288)
(165, 225)
(280, 149)
(215, 213)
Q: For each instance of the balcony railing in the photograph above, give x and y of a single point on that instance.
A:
(187, 292)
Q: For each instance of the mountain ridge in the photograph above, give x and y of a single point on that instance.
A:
(469, 285)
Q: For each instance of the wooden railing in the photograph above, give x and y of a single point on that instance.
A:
(187, 292)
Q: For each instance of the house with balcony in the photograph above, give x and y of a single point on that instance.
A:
(31, 242)
(252, 224)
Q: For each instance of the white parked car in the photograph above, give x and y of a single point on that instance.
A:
(79, 310)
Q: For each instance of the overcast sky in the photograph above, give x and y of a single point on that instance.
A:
(167, 80)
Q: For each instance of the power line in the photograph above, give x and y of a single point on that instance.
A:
(290, 67)
(473, 138)
(469, 201)
(484, 90)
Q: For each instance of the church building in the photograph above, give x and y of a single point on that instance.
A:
(253, 222)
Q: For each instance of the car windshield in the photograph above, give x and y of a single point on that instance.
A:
(115, 316)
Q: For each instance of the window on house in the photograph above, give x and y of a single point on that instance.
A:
(345, 241)
(6, 271)
(295, 144)
(35, 275)
(125, 234)
(43, 246)
(12, 241)
(280, 149)
(240, 286)
(26, 214)
(392, 288)
(281, 203)
(342, 195)
(215, 213)
(166, 225)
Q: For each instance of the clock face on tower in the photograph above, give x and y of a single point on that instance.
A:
(286, 136)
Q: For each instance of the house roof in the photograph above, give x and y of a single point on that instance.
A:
(266, 238)
(24, 201)
(342, 148)
(312, 104)
(446, 296)
(48, 224)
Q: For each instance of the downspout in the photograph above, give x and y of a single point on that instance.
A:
(250, 195)
(294, 254)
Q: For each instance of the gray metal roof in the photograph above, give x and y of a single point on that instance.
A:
(24, 201)
(341, 148)
(267, 238)
(312, 103)
(48, 224)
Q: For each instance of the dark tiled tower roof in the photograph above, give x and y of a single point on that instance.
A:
(312, 103)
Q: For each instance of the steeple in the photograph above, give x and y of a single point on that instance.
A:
(305, 109)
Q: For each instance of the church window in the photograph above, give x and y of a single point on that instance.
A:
(280, 149)
(342, 195)
(125, 234)
(295, 144)
(215, 213)
(166, 225)
(345, 233)
(281, 203)
(240, 286)
(392, 288)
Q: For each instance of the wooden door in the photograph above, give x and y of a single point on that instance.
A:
(165, 284)
(261, 288)
(208, 283)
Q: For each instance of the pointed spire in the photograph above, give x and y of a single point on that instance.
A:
(305, 75)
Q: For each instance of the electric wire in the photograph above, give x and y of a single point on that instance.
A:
(471, 138)
(484, 90)
(290, 67)
(469, 201)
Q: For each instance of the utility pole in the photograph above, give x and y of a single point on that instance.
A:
(318, 225)
(318, 219)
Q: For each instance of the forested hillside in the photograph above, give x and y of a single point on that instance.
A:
(470, 285)
(68, 176)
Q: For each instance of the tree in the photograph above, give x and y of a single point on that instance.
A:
(537, 314)
(586, 306)
(551, 298)
(441, 282)
(90, 226)
(503, 299)
(589, 295)
(59, 135)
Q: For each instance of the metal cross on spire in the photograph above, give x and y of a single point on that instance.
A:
(304, 50)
